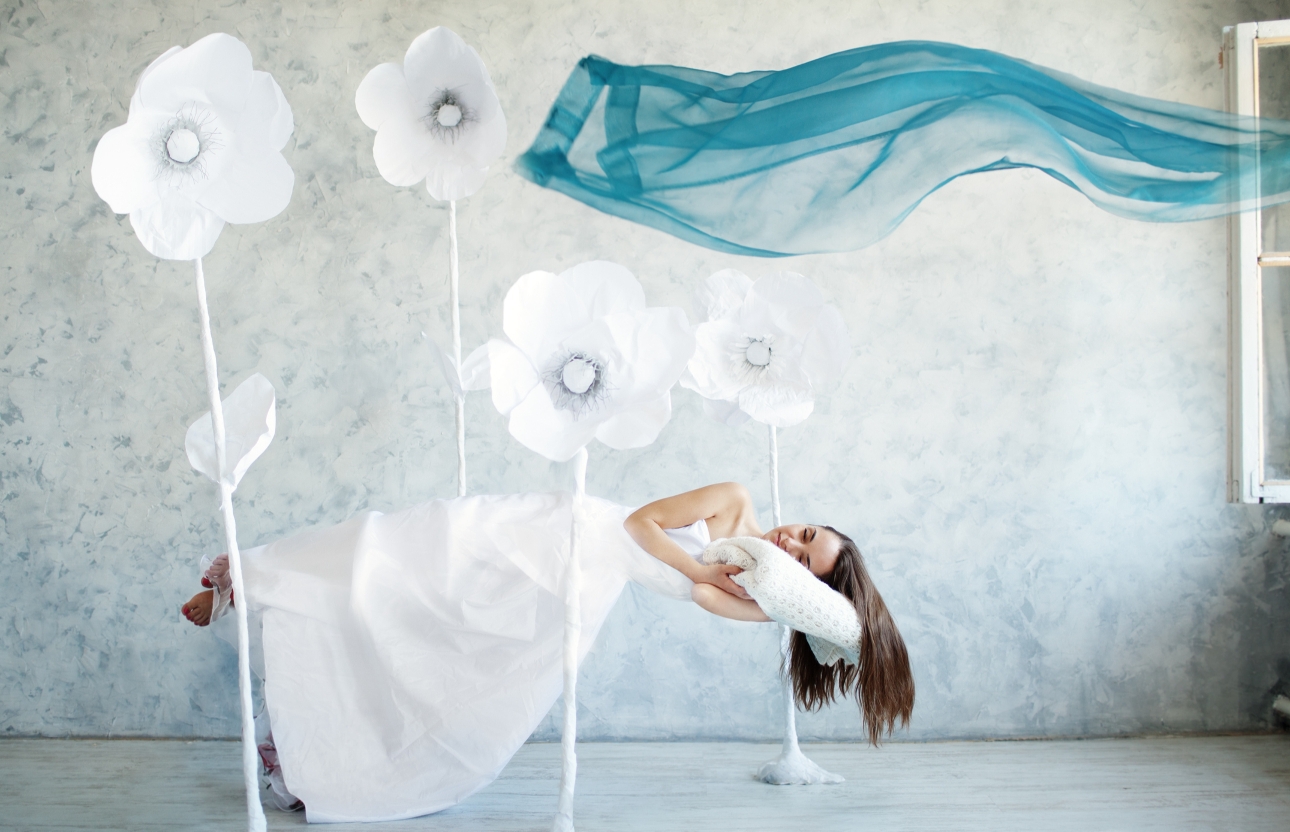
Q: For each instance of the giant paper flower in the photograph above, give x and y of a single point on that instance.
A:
(436, 117)
(766, 348)
(585, 358)
(201, 147)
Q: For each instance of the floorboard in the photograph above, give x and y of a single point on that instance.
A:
(1166, 784)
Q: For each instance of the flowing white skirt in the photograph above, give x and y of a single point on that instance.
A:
(408, 656)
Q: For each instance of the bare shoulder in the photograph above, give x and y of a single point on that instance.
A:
(730, 500)
(724, 505)
(736, 493)
(737, 516)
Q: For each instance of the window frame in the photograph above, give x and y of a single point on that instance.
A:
(1247, 480)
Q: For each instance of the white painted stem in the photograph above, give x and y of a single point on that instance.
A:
(456, 346)
(785, 634)
(791, 767)
(774, 478)
(786, 685)
(250, 768)
(572, 637)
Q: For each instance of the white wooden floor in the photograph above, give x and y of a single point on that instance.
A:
(1170, 784)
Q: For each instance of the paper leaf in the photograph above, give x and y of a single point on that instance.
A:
(250, 418)
(475, 370)
(446, 364)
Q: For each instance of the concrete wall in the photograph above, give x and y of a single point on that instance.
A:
(1029, 445)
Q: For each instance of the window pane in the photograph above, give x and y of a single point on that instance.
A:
(1274, 102)
(1276, 229)
(1276, 373)
(1274, 80)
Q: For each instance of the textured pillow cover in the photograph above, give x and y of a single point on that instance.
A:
(788, 592)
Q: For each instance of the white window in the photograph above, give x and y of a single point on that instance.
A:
(1256, 62)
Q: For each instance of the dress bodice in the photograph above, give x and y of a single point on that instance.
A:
(693, 538)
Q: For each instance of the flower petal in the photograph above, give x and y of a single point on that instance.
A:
(215, 69)
(605, 287)
(786, 363)
(135, 101)
(176, 228)
(124, 169)
(721, 295)
(452, 180)
(267, 118)
(555, 434)
(637, 427)
(254, 186)
(404, 151)
(790, 301)
(484, 141)
(725, 412)
(827, 349)
(653, 347)
(540, 311)
(711, 370)
(511, 374)
(779, 404)
(440, 60)
(383, 95)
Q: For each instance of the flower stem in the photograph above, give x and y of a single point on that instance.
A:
(254, 812)
(774, 478)
(456, 346)
(785, 634)
(572, 638)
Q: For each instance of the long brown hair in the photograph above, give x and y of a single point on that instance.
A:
(882, 682)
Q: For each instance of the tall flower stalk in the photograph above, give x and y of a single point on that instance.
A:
(437, 118)
(764, 350)
(583, 358)
(201, 147)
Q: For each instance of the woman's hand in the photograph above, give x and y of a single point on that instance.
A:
(718, 574)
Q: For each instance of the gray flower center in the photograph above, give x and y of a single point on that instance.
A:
(576, 383)
(578, 374)
(186, 145)
(758, 352)
(182, 146)
(449, 115)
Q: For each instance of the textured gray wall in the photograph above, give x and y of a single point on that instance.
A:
(1029, 445)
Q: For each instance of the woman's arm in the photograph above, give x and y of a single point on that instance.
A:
(717, 601)
(727, 503)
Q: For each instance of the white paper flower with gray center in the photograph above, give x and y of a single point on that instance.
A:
(586, 358)
(766, 347)
(201, 147)
(436, 116)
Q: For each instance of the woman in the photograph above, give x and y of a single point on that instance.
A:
(882, 681)
(409, 655)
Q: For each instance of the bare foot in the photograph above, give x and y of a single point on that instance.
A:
(198, 608)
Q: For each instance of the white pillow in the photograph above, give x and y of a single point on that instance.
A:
(788, 592)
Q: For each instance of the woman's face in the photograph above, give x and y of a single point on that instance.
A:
(815, 547)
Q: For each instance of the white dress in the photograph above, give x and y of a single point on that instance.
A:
(408, 656)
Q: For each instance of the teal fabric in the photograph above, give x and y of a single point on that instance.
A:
(832, 155)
